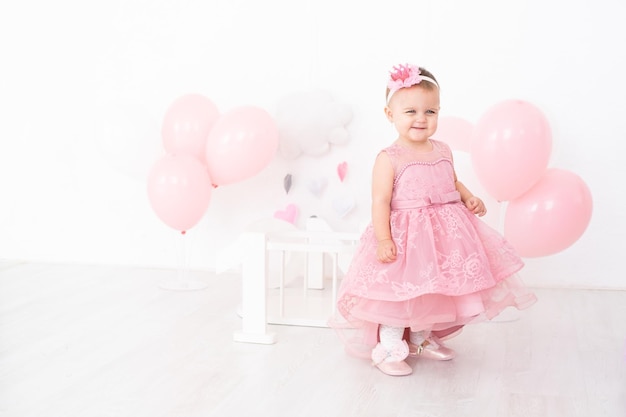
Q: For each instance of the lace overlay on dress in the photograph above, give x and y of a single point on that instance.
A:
(451, 268)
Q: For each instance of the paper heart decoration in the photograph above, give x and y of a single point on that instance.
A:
(316, 186)
(287, 183)
(342, 168)
(289, 214)
(343, 205)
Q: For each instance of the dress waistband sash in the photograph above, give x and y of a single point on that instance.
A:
(431, 200)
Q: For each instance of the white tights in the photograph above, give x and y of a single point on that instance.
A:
(389, 334)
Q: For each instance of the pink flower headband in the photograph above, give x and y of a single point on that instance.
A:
(404, 76)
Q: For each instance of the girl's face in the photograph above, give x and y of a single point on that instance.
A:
(414, 111)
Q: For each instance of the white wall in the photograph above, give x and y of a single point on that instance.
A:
(83, 88)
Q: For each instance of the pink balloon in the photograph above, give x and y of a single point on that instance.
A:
(179, 190)
(551, 216)
(187, 123)
(242, 143)
(510, 148)
(456, 132)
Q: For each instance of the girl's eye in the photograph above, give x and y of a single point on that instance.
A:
(431, 112)
(411, 111)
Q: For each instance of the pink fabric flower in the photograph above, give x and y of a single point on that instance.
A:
(398, 352)
(403, 76)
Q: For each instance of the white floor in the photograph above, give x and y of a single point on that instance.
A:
(104, 341)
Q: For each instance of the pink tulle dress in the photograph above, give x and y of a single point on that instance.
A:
(451, 268)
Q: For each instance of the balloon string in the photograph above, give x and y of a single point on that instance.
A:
(182, 261)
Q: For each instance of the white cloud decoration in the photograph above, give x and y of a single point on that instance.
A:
(310, 122)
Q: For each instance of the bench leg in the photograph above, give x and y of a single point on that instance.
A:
(254, 294)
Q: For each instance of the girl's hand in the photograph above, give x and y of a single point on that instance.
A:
(386, 251)
(476, 206)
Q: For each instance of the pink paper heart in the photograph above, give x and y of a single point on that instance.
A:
(342, 168)
(289, 214)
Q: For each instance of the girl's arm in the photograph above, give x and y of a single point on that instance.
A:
(382, 188)
(473, 203)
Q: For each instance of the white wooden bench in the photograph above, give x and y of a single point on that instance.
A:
(255, 277)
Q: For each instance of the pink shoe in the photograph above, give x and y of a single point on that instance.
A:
(391, 361)
(431, 348)
(395, 368)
